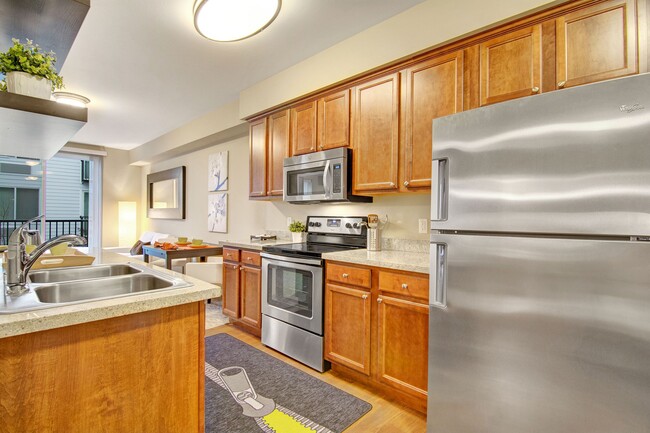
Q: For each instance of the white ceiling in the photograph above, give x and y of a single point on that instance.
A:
(147, 71)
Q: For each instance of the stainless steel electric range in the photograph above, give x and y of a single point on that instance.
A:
(293, 287)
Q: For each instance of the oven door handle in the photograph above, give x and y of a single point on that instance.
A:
(311, 262)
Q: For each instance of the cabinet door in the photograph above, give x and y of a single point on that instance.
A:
(303, 128)
(347, 327)
(278, 149)
(230, 292)
(334, 120)
(596, 43)
(402, 347)
(257, 176)
(375, 138)
(511, 66)
(250, 286)
(433, 89)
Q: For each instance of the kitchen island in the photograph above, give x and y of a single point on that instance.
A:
(128, 364)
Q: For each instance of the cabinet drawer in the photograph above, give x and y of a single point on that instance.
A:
(348, 275)
(415, 286)
(251, 258)
(231, 254)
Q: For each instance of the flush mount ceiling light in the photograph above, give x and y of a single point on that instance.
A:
(32, 163)
(31, 178)
(233, 20)
(70, 99)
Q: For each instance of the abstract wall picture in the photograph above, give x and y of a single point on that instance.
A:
(218, 213)
(218, 172)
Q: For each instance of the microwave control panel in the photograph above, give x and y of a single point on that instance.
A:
(337, 175)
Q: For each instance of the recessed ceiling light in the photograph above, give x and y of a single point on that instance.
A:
(233, 20)
(70, 99)
(31, 178)
(32, 163)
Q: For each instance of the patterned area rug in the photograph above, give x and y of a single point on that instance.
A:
(248, 391)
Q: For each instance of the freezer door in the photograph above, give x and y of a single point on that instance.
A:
(539, 335)
(574, 161)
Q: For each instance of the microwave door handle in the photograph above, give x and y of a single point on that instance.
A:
(325, 179)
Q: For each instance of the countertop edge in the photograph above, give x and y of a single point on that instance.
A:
(396, 260)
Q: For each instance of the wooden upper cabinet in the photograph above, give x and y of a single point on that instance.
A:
(303, 128)
(257, 159)
(434, 88)
(334, 120)
(278, 149)
(597, 43)
(375, 134)
(511, 66)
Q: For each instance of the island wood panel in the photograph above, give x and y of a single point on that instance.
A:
(278, 149)
(347, 327)
(511, 66)
(597, 43)
(257, 166)
(303, 128)
(434, 88)
(334, 120)
(251, 292)
(402, 344)
(142, 372)
(230, 292)
(375, 136)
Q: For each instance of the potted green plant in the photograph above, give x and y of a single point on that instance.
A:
(29, 71)
(297, 229)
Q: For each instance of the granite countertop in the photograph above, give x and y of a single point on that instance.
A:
(67, 315)
(253, 245)
(400, 260)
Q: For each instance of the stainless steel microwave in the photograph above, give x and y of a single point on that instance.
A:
(320, 177)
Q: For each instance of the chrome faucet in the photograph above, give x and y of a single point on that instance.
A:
(19, 262)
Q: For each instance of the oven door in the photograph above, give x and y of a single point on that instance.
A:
(292, 291)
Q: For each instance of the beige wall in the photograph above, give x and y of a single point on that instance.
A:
(121, 182)
(423, 26)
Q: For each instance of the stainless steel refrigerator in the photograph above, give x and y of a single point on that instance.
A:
(540, 264)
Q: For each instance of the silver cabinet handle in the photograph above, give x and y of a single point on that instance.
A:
(320, 147)
(345, 275)
(392, 185)
(379, 300)
(249, 258)
(406, 183)
(535, 89)
(364, 297)
(561, 84)
(405, 286)
(241, 268)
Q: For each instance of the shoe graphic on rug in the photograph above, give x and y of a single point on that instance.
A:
(271, 418)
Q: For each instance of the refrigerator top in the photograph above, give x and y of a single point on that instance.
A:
(574, 161)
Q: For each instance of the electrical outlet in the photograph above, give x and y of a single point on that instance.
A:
(289, 221)
(422, 225)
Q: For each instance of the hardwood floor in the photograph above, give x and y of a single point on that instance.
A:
(386, 416)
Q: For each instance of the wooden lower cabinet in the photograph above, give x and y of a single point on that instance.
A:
(143, 372)
(347, 321)
(242, 289)
(379, 335)
(402, 342)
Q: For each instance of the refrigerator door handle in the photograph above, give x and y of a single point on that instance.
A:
(439, 189)
(438, 284)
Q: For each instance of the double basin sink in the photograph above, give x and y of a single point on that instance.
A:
(54, 287)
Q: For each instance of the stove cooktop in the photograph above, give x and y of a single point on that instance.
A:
(306, 249)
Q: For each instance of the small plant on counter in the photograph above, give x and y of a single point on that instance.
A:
(31, 59)
(297, 227)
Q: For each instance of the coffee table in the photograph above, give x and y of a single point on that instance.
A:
(181, 253)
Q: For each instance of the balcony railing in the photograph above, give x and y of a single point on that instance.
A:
(53, 228)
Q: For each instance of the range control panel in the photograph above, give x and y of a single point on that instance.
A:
(336, 225)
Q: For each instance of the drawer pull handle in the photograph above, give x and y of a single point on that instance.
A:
(364, 297)
(561, 84)
(405, 286)
(379, 300)
(345, 275)
(249, 258)
(241, 268)
(535, 89)
(406, 183)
